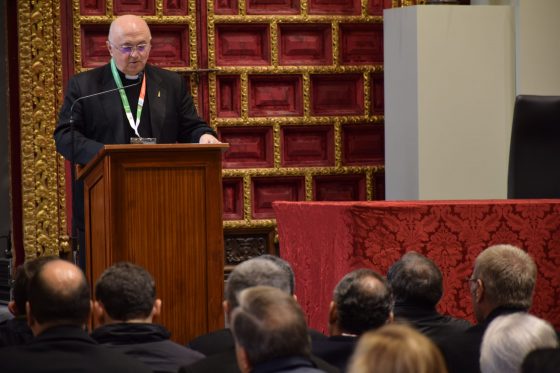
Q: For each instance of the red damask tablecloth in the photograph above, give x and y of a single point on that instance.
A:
(325, 240)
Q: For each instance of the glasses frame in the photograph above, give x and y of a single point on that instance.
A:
(138, 48)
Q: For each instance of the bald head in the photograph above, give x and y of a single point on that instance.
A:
(59, 294)
(125, 32)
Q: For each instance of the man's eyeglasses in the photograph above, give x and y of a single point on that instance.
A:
(128, 49)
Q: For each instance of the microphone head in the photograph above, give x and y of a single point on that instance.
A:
(140, 75)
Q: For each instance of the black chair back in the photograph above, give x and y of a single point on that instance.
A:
(534, 157)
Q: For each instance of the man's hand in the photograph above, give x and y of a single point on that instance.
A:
(208, 139)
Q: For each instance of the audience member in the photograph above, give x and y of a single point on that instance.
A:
(125, 307)
(58, 308)
(417, 285)
(502, 282)
(396, 349)
(362, 301)
(219, 346)
(16, 331)
(270, 333)
(542, 360)
(508, 339)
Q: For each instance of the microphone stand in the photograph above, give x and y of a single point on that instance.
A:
(74, 238)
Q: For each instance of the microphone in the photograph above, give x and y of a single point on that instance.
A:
(72, 150)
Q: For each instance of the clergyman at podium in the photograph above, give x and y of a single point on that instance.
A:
(153, 104)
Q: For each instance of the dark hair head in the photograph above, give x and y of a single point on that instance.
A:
(269, 324)
(363, 300)
(285, 266)
(127, 291)
(59, 293)
(255, 272)
(23, 275)
(416, 279)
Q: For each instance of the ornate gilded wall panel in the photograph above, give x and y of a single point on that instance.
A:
(40, 77)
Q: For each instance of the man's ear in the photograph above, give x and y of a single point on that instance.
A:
(333, 313)
(480, 291)
(226, 307)
(156, 310)
(98, 311)
(242, 359)
(13, 308)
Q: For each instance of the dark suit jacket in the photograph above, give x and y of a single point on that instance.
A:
(100, 120)
(462, 350)
(335, 350)
(15, 332)
(148, 343)
(65, 349)
(428, 321)
(219, 347)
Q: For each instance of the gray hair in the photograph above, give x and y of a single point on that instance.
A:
(269, 324)
(255, 272)
(508, 339)
(509, 275)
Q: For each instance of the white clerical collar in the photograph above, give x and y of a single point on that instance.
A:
(131, 77)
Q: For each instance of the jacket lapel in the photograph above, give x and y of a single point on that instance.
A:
(112, 107)
(156, 99)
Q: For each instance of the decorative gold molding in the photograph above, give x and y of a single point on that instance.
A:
(40, 74)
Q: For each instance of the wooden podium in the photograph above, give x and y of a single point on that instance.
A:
(160, 206)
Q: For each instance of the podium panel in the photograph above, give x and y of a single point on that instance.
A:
(160, 206)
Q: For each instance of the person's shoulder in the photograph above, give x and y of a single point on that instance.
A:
(162, 73)
(94, 73)
(213, 342)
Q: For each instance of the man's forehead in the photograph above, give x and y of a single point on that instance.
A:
(133, 30)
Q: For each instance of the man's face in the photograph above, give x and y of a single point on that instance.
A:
(129, 45)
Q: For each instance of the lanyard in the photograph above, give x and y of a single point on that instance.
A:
(124, 99)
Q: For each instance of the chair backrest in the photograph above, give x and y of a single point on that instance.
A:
(534, 156)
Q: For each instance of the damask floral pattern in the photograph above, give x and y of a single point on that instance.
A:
(325, 240)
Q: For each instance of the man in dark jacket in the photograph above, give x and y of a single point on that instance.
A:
(57, 311)
(125, 306)
(502, 282)
(219, 345)
(270, 333)
(362, 301)
(417, 285)
(16, 331)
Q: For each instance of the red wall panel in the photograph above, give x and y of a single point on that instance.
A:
(242, 45)
(339, 188)
(341, 94)
(267, 190)
(363, 144)
(305, 44)
(306, 146)
(275, 95)
(249, 146)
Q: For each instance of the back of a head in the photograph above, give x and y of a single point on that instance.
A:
(509, 275)
(22, 277)
(508, 339)
(542, 360)
(59, 294)
(285, 266)
(363, 300)
(416, 279)
(127, 291)
(396, 348)
(269, 324)
(255, 272)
